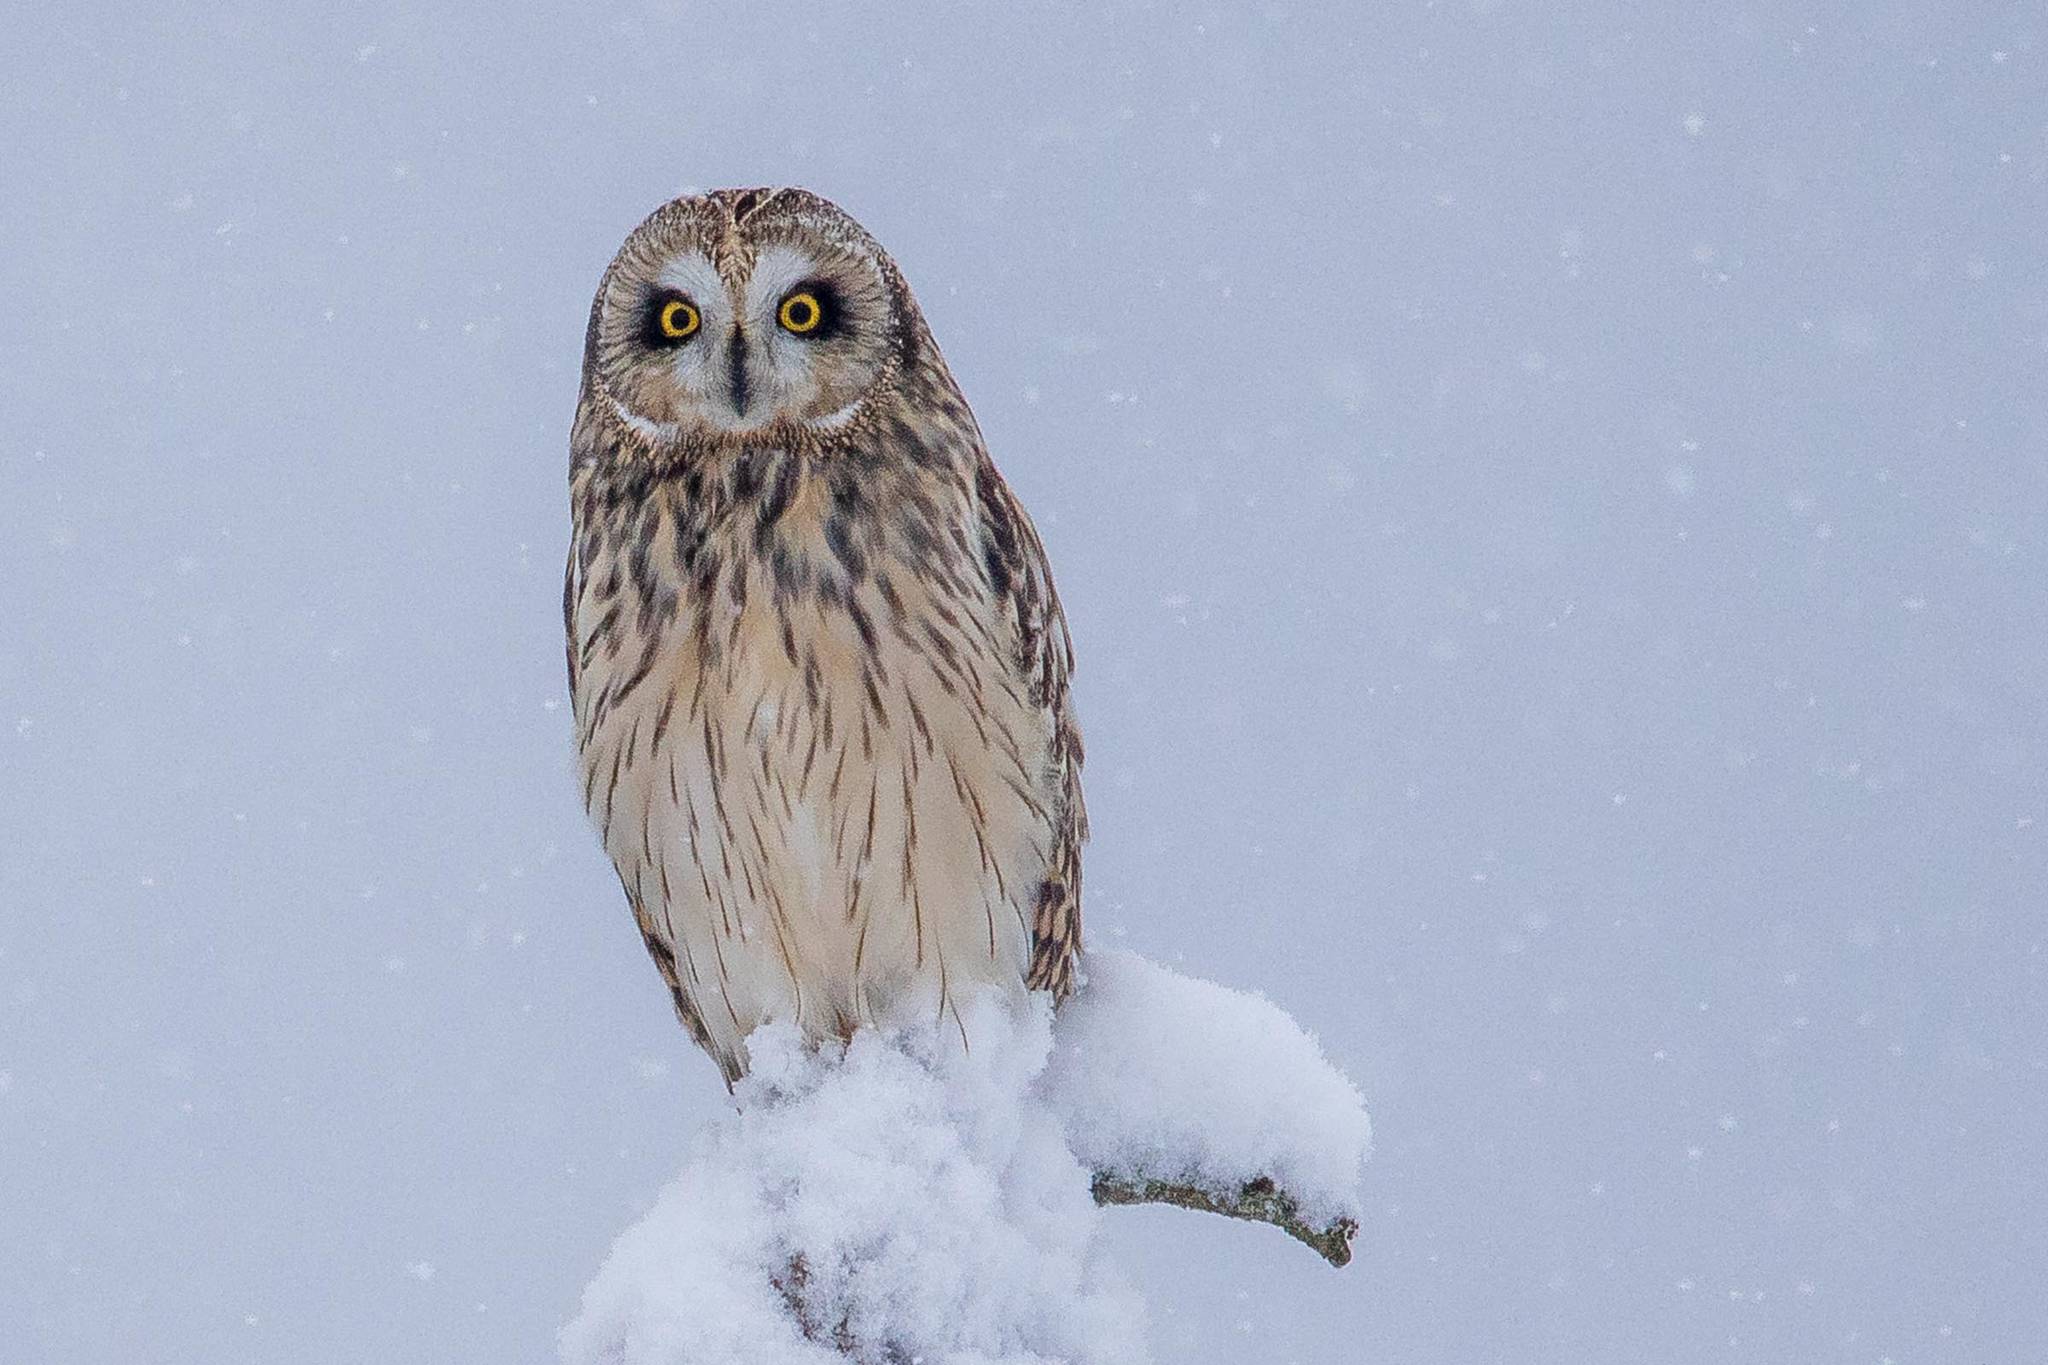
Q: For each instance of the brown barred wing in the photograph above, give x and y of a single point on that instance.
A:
(1021, 582)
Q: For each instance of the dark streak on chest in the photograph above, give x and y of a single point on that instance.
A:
(680, 541)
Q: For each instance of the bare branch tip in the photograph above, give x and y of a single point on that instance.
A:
(1257, 1201)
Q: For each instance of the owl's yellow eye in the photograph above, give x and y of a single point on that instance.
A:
(801, 312)
(677, 319)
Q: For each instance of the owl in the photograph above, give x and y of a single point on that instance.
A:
(818, 666)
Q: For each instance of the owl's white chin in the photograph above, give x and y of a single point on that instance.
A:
(726, 422)
(729, 423)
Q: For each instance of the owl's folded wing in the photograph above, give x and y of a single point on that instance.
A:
(1021, 580)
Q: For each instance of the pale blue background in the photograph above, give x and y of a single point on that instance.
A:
(1554, 507)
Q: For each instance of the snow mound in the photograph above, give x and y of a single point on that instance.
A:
(905, 1199)
(932, 1202)
(1165, 1077)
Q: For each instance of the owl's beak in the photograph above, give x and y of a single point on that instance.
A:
(736, 368)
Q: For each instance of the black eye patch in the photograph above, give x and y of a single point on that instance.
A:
(670, 320)
(812, 310)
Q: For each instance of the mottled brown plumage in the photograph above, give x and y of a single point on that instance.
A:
(818, 664)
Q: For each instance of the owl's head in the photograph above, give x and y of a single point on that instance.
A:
(744, 313)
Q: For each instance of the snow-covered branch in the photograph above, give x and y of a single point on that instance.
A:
(906, 1199)
(1179, 1091)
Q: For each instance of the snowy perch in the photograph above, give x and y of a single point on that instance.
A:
(908, 1201)
(1178, 1091)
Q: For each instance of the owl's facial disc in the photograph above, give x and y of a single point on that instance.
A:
(798, 336)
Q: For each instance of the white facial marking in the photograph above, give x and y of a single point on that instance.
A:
(782, 363)
(839, 417)
(778, 270)
(698, 278)
(698, 365)
(653, 431)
